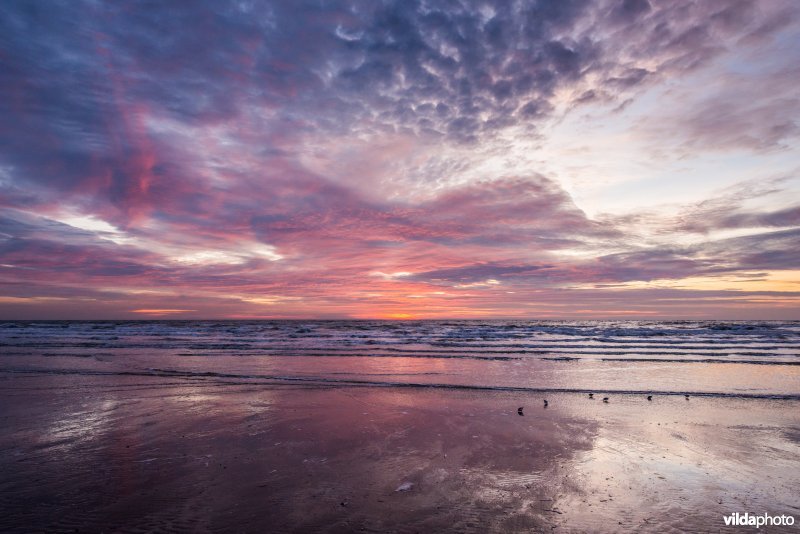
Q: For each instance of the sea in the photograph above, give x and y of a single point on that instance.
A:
(699, 358)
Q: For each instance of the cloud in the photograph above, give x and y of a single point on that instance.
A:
(83, 82)
(729, 209)
(476, 273)
(293, 148)
(532, 211)
(729, 118)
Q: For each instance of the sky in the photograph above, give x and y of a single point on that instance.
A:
(400, 160)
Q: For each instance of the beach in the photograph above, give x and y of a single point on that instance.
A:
(137, 449)
(472, 266)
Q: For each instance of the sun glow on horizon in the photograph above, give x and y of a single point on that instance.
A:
(157, 311)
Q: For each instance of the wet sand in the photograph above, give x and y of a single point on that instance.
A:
(133, 454)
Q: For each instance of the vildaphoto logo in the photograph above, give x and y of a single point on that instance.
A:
(752, 520)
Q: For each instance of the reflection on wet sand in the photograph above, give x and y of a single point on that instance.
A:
(134, 453)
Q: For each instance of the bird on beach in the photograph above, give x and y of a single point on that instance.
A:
(687, 397)
(605, 399)
(545, 403)
(591, 395)
(649, 397)
(519, 410)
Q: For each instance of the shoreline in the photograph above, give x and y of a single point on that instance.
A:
(269, 380)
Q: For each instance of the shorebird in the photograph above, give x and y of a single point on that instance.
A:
(649, 397)
(519, 410)
(605, 399)
(545, 403)
(591, 395)
(687, 397)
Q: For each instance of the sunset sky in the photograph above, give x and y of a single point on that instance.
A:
(366, 159)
